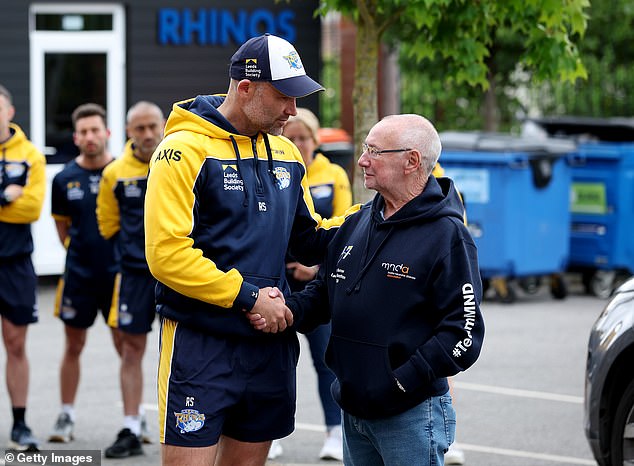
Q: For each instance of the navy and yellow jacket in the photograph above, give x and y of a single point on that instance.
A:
(120, 205)
(22, 164)
(403, 295)
(221, 211)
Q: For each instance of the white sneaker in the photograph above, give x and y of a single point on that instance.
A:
(454, 455)
(333, 446)
(63, 429)
(145, 436)
(275, 450)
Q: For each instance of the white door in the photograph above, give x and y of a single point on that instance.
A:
(77, 55)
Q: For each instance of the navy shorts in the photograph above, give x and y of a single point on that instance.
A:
(133, 306)
(18, 290)
(243, 388)
(80, 299)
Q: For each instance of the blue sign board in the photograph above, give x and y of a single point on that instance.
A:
(211, 26)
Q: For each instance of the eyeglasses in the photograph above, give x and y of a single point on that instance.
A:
(376, 153)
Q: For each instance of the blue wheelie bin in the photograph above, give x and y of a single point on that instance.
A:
(602, 198)
(516, 193)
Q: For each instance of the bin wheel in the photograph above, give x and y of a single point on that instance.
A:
(558, 288)
(586, 279)
(485, 286)
(504, 292)
(530, 285)
(602, 283)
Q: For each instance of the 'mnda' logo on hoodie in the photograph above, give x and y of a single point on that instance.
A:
(397, 271)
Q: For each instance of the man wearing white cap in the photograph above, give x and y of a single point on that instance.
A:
(226, 198)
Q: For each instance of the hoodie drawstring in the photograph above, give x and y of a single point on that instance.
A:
(269, 155)
(3, 177)
(238, 162)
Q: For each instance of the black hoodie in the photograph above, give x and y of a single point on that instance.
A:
(403, 295)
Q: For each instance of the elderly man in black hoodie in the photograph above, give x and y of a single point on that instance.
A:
(402, 287)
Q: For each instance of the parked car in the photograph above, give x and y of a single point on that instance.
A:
(609, 384)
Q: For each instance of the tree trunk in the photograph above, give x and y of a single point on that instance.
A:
(364, 97)
(491, 110)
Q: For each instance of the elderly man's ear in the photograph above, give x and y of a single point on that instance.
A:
(414, 161)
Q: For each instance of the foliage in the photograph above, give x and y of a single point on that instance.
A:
(609, 57)
(608, 90)
(459, 35)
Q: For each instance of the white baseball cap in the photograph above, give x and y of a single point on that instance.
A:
(273, 59)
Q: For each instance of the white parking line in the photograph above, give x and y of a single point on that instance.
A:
(519, 393)
(484, 449)
(526, 454)
(490, 450)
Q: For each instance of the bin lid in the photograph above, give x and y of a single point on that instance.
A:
(616, 129)
(333, 135)
(478, 141)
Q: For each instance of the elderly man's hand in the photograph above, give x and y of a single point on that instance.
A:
(269, 313)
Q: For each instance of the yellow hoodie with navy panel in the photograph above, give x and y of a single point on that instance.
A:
(329, 187)
(221, 210)
(20, 163)
(120, 205)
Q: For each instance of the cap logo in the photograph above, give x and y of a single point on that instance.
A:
(293, 60)
(251, 69)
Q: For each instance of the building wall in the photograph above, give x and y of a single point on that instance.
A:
(14, 56)
(164, 73)
(168, 73)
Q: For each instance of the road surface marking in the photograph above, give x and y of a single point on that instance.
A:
(519, 393)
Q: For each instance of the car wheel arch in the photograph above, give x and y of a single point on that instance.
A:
(618, 379)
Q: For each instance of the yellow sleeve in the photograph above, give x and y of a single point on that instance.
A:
(343, 194)
(338, 220)
(169, 203)
(108, 217)
(439, 171)
(27, 207)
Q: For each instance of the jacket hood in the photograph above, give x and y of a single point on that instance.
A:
(439, 199)
(200, 115)
(17, 137)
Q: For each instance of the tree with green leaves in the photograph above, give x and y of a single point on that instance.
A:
(459, 36)
(608, 90)
(607, 53)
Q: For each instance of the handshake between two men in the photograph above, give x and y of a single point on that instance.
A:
(270, 313)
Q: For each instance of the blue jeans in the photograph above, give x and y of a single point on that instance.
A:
(418, 437)
(318, 340)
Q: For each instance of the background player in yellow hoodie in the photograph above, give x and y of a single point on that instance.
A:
(22, 188)
(120, 218)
